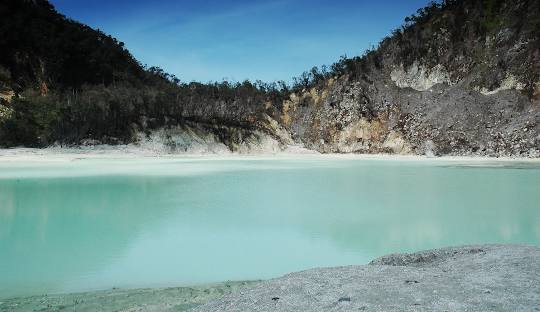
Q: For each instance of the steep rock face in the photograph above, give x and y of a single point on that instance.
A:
(462, 79)
(198, 138)
(377, 117)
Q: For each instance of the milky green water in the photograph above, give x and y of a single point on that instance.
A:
(96, 224)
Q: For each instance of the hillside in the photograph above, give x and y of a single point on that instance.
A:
(62, 82)
(459, 78)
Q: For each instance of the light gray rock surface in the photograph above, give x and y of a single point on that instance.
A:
(470, 278)
(176, 299)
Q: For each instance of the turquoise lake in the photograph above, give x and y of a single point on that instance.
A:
(88, 224)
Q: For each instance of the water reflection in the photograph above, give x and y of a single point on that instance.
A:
(207, 221)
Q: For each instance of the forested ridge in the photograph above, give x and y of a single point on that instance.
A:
(71, 82)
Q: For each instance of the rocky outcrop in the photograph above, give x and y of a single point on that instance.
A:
(379, 117)
(197, 138)
(471, 278)
(6, 95)
(463, 79)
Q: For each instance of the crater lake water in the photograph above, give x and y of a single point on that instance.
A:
(88, 224)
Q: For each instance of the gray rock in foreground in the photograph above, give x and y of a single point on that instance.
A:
(471, 278)
(176, 299)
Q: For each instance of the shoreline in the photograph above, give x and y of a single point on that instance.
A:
(111, 152)
(472, 277)
(464, 278)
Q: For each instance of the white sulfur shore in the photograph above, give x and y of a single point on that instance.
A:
(291, 152)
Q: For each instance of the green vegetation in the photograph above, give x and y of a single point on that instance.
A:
(490, 20)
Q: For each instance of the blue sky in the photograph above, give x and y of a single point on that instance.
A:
(209, 40)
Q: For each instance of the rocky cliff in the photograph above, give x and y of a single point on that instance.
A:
(461, 78)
